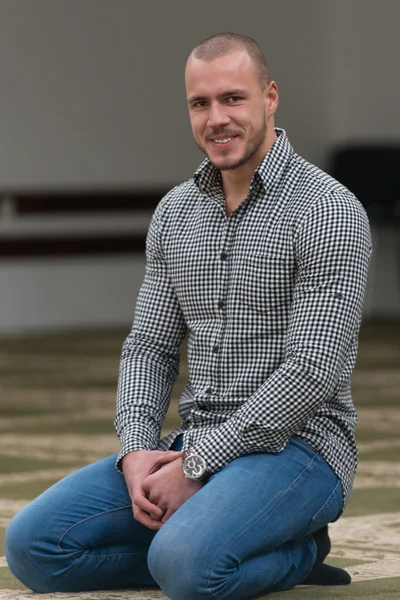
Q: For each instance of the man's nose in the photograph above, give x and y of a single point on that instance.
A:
(217, 115)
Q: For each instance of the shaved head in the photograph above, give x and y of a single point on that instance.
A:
(231, 102)
(222, 44)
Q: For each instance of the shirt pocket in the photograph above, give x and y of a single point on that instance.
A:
(265, 282)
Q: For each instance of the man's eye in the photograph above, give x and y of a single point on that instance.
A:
(199, 104)
(232, 99)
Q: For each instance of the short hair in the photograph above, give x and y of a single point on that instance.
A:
(221, 44)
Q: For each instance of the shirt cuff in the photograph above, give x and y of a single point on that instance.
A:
(221, 447)
(136, 437)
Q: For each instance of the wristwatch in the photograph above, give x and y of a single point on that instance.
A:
(194, 466)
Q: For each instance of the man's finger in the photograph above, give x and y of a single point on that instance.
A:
(145, 505)
(173, 453)
(156, 517)
(168, 514)
(163, 459)
(145, 519)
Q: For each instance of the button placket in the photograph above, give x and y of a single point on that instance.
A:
(221, 297)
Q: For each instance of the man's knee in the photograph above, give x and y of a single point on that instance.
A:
(179, 564)
(186, 565)
(24, 547)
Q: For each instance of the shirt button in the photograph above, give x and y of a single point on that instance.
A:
(223, 256)
(221, 304)
(216, 349)
(209, 390)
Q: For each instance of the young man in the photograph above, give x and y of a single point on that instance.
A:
(263, 259)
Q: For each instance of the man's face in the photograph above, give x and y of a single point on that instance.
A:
(229, 110)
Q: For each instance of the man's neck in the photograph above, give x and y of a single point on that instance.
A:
(236, 188)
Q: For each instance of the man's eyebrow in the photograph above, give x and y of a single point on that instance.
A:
(235, 92)
(195, 98)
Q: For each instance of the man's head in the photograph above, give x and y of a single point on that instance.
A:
(231, 100)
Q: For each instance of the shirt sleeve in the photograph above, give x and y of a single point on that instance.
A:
(149, 362)
(332, 247)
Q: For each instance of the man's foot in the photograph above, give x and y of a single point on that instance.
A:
(327, 575)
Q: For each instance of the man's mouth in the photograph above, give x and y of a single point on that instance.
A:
(222, 140)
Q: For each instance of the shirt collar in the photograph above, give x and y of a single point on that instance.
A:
(208, 178)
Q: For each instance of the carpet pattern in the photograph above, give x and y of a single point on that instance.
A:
(57, 402)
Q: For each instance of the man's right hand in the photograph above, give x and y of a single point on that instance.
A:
(136, 466)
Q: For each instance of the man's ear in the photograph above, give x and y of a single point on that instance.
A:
(271, 97)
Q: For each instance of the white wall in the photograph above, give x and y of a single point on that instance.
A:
(69, 292)
(364, 100)
(364, 82)
(76, 291)
(93, 91)
(92, 94)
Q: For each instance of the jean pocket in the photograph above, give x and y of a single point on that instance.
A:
(328, 512)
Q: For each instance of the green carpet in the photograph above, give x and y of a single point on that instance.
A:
(56, 410)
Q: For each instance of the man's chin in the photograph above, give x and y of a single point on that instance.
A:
(227, 165)
(223, 164)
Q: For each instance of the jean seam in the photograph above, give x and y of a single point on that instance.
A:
(88, 555)
(324, 506)
(104, 512)
(238, 533)
(44, 572)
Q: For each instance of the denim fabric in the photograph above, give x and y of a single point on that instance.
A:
(247, 531)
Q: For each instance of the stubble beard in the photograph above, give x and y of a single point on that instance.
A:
(250, 150)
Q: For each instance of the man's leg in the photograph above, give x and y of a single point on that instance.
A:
(80, 534)
(248, 530)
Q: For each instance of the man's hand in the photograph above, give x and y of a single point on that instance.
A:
(168, 488)
(136, 466)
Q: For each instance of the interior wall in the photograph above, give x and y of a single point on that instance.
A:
(93, 92)
(71, 292)
(364, 86)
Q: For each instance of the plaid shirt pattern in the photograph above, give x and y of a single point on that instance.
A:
(271, 298)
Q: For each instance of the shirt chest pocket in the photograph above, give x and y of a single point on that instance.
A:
(265, 282)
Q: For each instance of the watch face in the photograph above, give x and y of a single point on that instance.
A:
(194, 466)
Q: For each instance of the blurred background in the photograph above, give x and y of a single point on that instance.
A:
(94, 130)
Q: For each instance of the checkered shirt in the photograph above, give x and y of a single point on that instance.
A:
(271, 298)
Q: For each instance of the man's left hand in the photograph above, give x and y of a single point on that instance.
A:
(168, 488)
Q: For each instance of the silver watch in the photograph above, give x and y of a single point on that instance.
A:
(194, 466)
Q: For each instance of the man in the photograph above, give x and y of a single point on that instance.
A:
(263, 259)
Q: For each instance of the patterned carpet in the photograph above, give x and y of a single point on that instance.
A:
(57, 401)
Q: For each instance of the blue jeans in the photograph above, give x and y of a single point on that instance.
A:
(246, 532)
